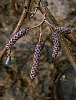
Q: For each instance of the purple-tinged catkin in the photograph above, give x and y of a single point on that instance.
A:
(56, 44)
(55, 38)
(14, 39)
(36, 58)
(63, 29)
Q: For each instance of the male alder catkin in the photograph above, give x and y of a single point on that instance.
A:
(55, 38)
(56, 44)
(14, 38)
(62, 29)
(36, 58)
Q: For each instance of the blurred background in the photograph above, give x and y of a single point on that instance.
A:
(55, 80)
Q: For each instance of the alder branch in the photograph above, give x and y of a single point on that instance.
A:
(50, 18)
(66, 36)
(23, 15)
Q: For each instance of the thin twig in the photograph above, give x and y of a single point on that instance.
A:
(49, 24)
(15, 5)
(33, 13)
(37, 25)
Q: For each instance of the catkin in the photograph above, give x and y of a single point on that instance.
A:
(62, 29)
(36, 58)
(56, 44)
(14, 39)
(55, 38)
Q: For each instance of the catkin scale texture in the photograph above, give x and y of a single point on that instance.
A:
(62, 29)
(56, 44)
(36, 58)
(55, 38)
(14, 39)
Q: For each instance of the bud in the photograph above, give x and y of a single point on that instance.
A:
(17, 36)
(36, 58)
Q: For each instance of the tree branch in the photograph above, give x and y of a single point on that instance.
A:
(50, 18)
(23, 15)
(64, 44)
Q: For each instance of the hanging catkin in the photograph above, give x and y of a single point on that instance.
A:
(56, 44)
(14, 39)
(36, 58)
(55, 38)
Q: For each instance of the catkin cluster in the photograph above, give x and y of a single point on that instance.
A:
(39, 46)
